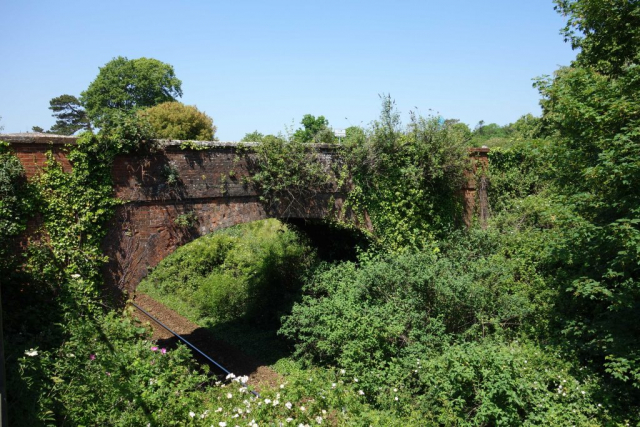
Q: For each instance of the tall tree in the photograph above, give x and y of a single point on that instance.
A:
(607, 32)
(69, 114)
(315, 129)
(593, 107)
(125, 85)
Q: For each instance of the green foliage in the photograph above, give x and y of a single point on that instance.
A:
(407, 181)
(127, 84)
(60, 278)
(171, 175)
(496, 383)
(487, 135)
(438, 332)
(254, 136)
(592, 107)
(15, 208)
(137, 384)
(314, 130)
(174, 120)
(287, 174)
(517, 171)
(607, 33)
(69, 114)
(250, 272)
(526, 128)
(186, 220)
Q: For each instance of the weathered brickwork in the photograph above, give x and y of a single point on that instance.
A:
(177, 195)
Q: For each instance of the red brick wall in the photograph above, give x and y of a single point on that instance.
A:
(34, 156)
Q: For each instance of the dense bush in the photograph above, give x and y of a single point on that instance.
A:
(14, 203)
(407, 180)
(174, 120)
(247, 271)
(592, 106)
(287, 174)
(441, 330)
(517, 171)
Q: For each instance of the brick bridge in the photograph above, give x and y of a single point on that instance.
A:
(209, 193)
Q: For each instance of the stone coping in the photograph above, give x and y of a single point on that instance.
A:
(48, 138)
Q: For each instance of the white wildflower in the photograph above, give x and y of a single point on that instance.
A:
(192, 414)
(31, 352)
(319, 419)
(75, 276)
(229, 395)
(289, 419)
(302, 408)
(288, 405)
(230, 376)
(222, 424)
(396, 398)
(267, 401)
(361, 393)
(342, 371)
(355, 380)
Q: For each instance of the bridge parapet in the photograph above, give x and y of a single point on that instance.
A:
(187, 189)
(179, 192)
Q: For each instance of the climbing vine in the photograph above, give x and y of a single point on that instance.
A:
(287, 174)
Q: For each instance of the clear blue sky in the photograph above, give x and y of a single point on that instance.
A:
(264, 64)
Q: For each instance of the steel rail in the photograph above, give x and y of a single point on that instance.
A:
(193, 347)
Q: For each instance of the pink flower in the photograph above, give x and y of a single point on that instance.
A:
(163, 351)
(92, 357)
(154, 348)
(108, 373)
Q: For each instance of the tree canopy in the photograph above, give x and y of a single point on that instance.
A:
(315, 129)
(69, 114)
(174, 120)
(127, 84)
(606, 32)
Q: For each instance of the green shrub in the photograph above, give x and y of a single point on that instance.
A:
(174, 120)
(15, 206)
(407, 180)
(247, 271)
(492, 382)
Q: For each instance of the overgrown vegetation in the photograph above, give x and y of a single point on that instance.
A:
(532, 320)
(248, 272)
(407, 180)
